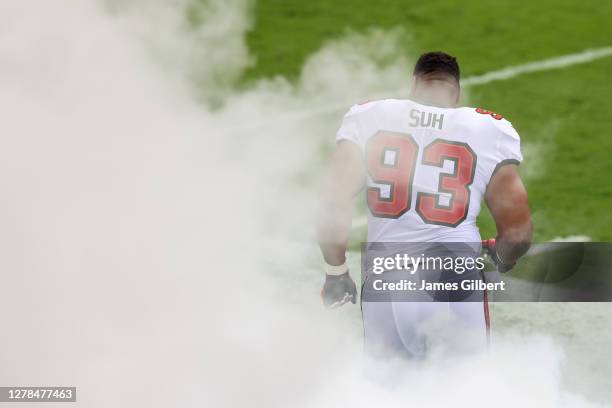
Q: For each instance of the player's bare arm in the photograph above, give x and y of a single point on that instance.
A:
(506, 198)
(344, 178)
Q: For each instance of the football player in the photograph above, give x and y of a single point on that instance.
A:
(427, 165)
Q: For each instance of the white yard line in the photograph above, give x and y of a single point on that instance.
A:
(499, 75)
(544, 65)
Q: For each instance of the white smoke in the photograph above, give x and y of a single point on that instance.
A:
(155, 249)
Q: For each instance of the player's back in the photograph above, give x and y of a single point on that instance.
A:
(428, 167)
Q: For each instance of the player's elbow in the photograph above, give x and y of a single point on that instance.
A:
(519, 234)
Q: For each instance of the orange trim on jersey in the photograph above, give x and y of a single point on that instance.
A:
(494, 115)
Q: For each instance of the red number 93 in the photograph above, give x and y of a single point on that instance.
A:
(391, 160)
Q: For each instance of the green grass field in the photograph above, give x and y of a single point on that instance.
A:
(562, 115)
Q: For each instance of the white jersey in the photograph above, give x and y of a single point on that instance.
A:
(428, 167)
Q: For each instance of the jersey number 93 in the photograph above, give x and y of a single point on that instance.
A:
(391, 159)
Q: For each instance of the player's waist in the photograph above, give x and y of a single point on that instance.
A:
(407, 232)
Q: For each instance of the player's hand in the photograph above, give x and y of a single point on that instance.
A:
(338, 290)
(488, 247)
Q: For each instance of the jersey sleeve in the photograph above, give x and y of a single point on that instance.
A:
(356, 123)
(509, 146)
(505, 149)
(349, 129)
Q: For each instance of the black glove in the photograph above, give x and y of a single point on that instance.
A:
(488, 247)
(338, 290)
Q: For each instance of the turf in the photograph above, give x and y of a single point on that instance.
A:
(484, 34)
(563, 116)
